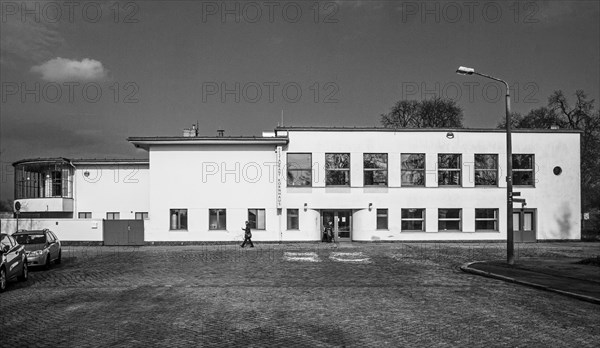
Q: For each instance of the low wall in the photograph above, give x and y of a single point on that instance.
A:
(65, 229)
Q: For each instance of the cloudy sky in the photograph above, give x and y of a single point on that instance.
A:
(79, 78)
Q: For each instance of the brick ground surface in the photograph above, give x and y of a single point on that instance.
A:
(353, 295)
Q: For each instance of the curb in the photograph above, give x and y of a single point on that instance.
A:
(467, 269)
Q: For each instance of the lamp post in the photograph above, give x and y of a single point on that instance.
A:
(510, 244)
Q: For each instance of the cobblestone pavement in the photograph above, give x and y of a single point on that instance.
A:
(292, 295)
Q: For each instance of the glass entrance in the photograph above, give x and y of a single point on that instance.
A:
(341, 221)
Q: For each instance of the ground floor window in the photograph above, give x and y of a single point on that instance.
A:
(382, 219)
(256, 217)
(141, 215)
(413, 219)
(486, 219)
(217, 219)
(449, 219)
(179, 219)
(292, 219)
(85, 215)
(113, 216)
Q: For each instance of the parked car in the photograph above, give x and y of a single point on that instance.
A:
(13, 261)
(41, 246)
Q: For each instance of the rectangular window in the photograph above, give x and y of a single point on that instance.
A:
(337, 169)
(413, 169)
(299, 169)
(449, 219)
(486, 219)
(141, 215)
(85, 215)
(413, 220)
(449, 170)
(486, 170)
(523, 173)
(382, 219)
(256, 217)
(57, 190)
(179, 219)
(375, 169)
(292, 219)
(113, 216)
(217, 219)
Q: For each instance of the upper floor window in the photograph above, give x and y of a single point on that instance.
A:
(449, 170)
(299, 169)
(375, 169)
(486, 170)
(523, 173)
(44, 180)
(337, 169)
(413, 169)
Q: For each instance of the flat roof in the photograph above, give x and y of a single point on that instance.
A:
(146, 142)
(385, 129)
(77, 161)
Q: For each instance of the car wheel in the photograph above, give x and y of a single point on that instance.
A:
(2, 280)
(47, 264)
(59, 257)
(25, 272)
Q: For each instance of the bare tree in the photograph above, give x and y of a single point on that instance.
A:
(428, 113)
(579, 116)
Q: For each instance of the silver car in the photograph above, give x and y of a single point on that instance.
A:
(13, 262)
(41, 246)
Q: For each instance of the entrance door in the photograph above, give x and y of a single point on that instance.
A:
(342, 224)
(524, 225)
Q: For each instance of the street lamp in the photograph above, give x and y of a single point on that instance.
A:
(510, 244)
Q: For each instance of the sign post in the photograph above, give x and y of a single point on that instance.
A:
(17, 212)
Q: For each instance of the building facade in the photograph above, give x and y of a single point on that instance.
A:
(371, 184)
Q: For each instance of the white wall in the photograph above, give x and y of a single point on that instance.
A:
(556, 198)
(199, 178)
(65, 229)
(111, 188)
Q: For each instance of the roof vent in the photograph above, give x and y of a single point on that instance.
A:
(220, 132)
(190, 132)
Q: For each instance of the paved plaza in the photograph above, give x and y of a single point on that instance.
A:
(293, 295)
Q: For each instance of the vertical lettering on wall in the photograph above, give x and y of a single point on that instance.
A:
(278, 152)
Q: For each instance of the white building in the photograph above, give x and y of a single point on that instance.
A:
(373, 184)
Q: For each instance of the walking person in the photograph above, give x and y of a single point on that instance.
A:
(247, 235)
(329, 232)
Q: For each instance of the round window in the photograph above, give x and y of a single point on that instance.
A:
(557, 170)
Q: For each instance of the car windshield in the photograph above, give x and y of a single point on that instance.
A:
(30, 238)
